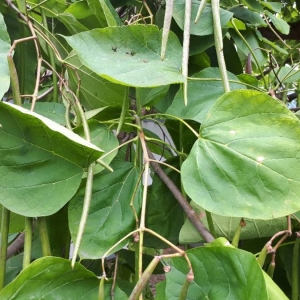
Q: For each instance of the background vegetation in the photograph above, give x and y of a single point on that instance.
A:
(80, 83)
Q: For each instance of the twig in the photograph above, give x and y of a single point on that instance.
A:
(16, 245)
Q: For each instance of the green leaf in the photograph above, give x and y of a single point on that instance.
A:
(52, 278)
(246, 160)
(37, 175)
(51, 110)
(110, 215)
(202, 95)
(129, 55)
(105, 12)
(102, 137)
(274, 6)
(71, 23)
(274, 292)
(4, 49)
(52, 7)
(80, 10)
(150, 96)
(226, 227)
(287, 256)
(111, 15)
(253, 4)
(164, 215)
(205, 23)
(281, 25)
(251, 38)
(286, 74)
(95, 91)
(251, 17)
(219, 273)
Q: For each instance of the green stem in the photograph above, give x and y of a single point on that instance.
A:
(262, 256)
(85, 212)
(14, 80)
(237, 234)
(125, 107)
(210, 223)
(3, 244)
(184, 290)
(51, 57)
(219, 44)
(295, 275)
(27, 242)
(144, 279)
(44, 238)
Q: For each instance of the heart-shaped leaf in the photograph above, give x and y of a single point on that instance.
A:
(53, 278)
(246, 161)
(129, 55)
(219, 273)
(37, 175)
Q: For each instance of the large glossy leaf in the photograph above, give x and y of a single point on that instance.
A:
(227, 226)
(4, 48)
(220, 273)
(110, 215)
(245, 163)
(129, 55)
(52, 278)
(95, 91)
(202, 95)
(37, 175)
(205, 24)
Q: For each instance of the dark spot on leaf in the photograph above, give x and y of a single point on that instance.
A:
(114, 49)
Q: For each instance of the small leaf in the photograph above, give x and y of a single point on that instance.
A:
(110, 215)
(251, 17)
(37, 175)
(281, 25)
(53, 278)
(129, 55)
(249, 143)
(274, 6)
